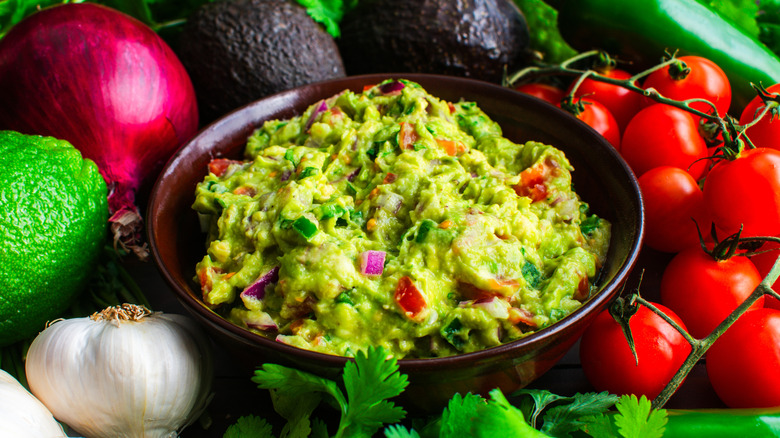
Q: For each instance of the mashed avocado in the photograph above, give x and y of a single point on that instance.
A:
(393, 218)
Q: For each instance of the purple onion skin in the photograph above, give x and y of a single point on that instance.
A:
(391, 87)
(106, 83)
(256, 290)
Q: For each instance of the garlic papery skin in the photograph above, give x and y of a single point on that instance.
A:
(123, 372)
(22, 415)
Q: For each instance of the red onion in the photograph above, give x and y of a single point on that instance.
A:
(256, 290)
(109, 85)
(391, 87)
(372, 262)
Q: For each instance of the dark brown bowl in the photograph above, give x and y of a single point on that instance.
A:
(601, 177)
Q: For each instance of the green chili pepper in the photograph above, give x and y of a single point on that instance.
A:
(641, 31)
(717, 423)
(305, 227)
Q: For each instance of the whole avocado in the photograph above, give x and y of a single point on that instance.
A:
(469, 38)
(238, 51)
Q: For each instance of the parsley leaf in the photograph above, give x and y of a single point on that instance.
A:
(369, 381)
(636, 418)
(249, 426)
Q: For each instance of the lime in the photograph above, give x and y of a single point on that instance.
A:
(53, 225)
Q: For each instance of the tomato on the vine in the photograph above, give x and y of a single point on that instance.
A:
(546, 92)
(620, 101)
(766, 132)
(673, 201)
(742, 364)
(746, 191)
(609, 365)
(704, 80)
(764, 262)
(703, 291)
(598, 117)
(663, 135)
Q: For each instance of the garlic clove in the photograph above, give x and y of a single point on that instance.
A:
(22, 415)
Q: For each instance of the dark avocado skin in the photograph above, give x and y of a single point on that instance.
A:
(238, 51)
(468, 38)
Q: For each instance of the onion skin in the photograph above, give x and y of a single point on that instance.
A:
(109, 85)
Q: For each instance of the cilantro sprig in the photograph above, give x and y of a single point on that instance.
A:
(363, 398)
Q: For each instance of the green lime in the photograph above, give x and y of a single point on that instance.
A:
(53, 219)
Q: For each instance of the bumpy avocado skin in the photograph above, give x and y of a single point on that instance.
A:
(238, 51)
(469, 38)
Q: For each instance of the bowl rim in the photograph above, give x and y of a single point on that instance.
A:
(464, 360)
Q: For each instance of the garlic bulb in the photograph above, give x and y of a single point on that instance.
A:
(123, 372)
(22, 415)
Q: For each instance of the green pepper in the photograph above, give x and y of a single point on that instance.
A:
(716, 423)
(641, 31)
(545, 37)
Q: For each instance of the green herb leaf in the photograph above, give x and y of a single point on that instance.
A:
(293, 383)
(369, 381)
(499, 418)
(636, 418)
(297, 411)
(561, 420)
(326, 12)
(459, 414)
(249, 427)
(398, 431)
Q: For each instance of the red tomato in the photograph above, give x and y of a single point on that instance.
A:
(742, 364)
(766, 132)
(410, 299)
(609, 365)
(620, 101)
(662, 135)
(704, 291)
(705, 81)
(746, 191)
(548, 93)
(764, 263)
(598, 117)
(673, 201)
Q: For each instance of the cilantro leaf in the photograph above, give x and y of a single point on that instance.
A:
(297, 411)
(319, 429)
(369, 381)
(458, 414)
(328, 13)
(636, 418)
(562, 419)
(542, 398)
(499, 418)
(398, 431)
(295, 383)
(249, 426)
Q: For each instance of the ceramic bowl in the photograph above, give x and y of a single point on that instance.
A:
(601, 177)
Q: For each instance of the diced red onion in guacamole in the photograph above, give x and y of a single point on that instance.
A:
(260, 321)
(372, 262)
(322, 107)
(391, 87)
(496, 307)
(256, 290)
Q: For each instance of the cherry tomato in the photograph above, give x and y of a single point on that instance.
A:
(662, 135)
(764, 263)
(746, 191)
(673, 201)
(546, 92)
(609, 365)
(598, 117)
(766, 132)
(704, 291)
(742, 364)
(706, 80)
(620, 101)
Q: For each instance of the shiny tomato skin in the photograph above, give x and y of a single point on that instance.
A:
(703, 291)
(764, 263)
(673, 200)
(766, 132)
(746, 191)
(598, 117)
(706, 80)
(620, 101)
(662, 135)
(743, 363)
(609, 365)
(546, 92)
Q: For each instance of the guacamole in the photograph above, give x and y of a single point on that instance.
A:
(391, 217)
